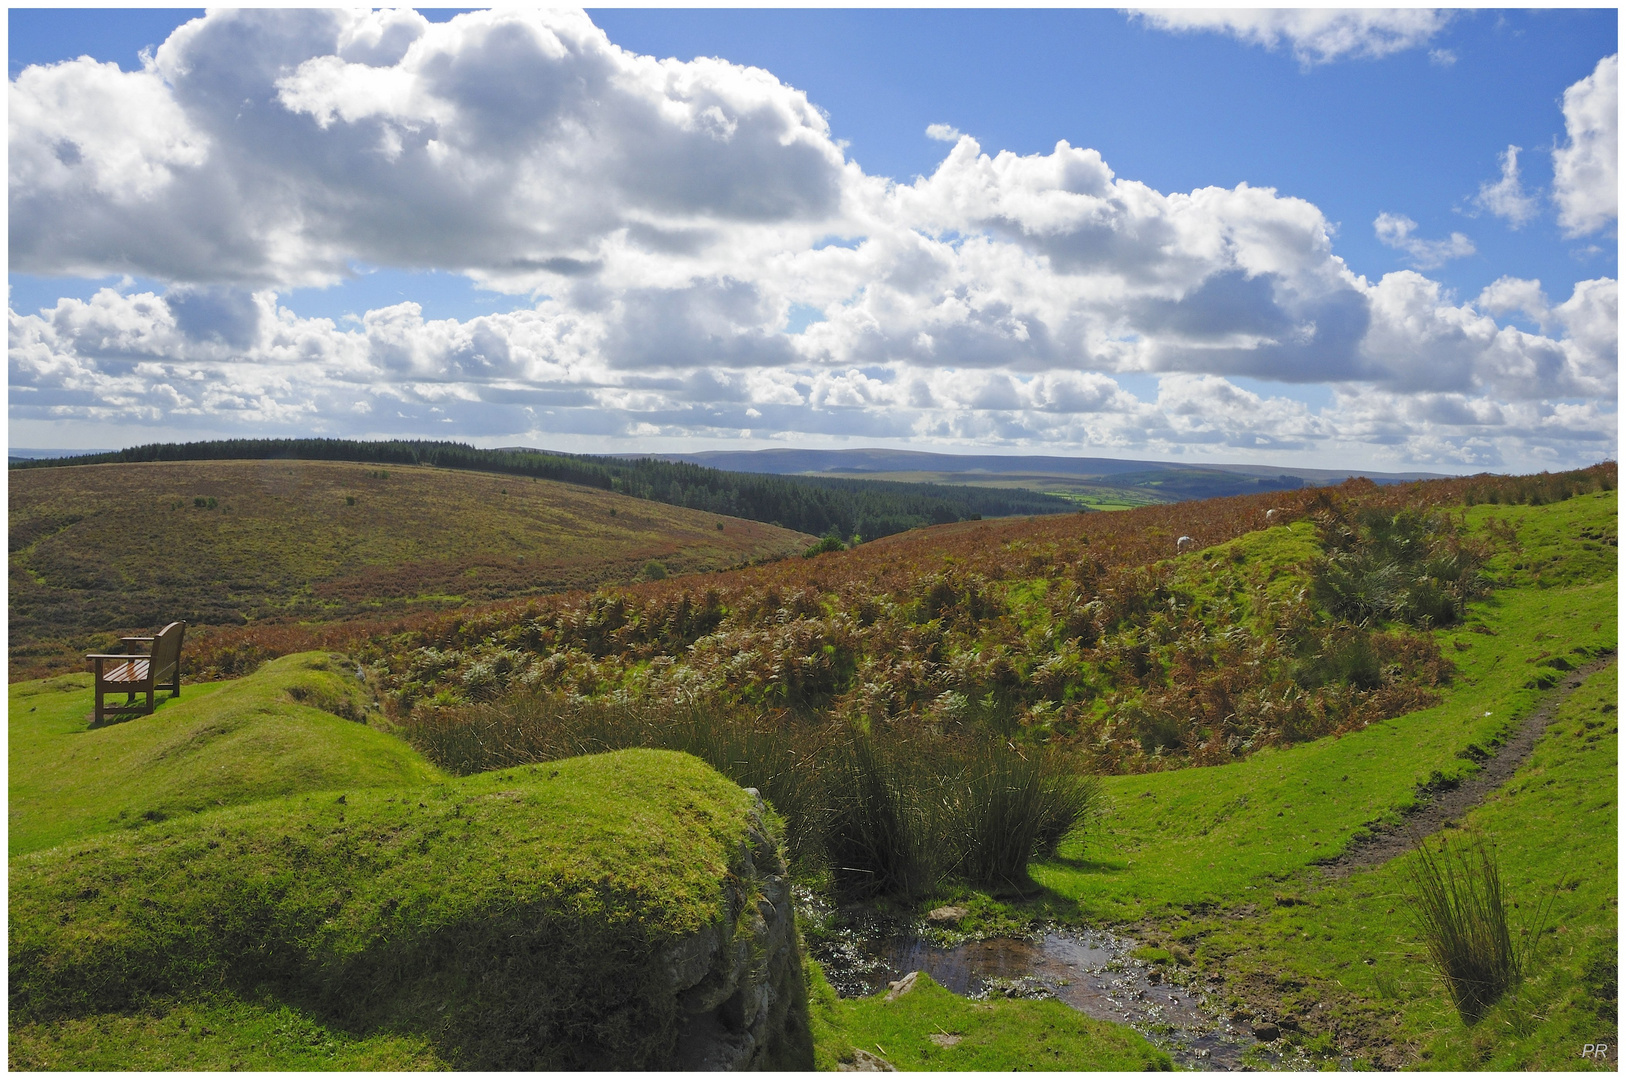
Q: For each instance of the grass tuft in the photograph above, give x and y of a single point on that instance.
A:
(1459, 904)
(1013, 805)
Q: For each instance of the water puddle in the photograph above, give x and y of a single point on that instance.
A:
(1092, 971)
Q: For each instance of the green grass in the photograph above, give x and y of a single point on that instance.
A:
(1350, 957)
(1222, 861)
(222, 744)
(998, 1035)
(1105, 498)
(1214, 835)
(218, 1035)
(508, 920)
(97, 547)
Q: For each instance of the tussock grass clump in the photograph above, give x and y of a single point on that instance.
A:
(1014, 805)
(885, 820)
(1462, 912)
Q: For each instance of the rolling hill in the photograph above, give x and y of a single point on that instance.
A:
(96, 549)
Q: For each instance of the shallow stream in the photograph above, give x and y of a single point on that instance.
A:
(1092, 971)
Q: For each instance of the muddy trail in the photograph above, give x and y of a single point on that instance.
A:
(1444, 806)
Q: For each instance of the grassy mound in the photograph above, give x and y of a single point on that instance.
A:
(510, 920)
(280, 731)
(99, 547)
(930, 1029)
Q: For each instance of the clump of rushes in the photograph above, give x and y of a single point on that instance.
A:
(888, 812)
(1462, 913)
(1012, 804)
(881, 835)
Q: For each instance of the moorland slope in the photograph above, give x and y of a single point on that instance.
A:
(96, 549)
(1305, 672)
(1329, 668)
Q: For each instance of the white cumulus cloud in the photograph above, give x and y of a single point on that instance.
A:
(668, 222)
(1586, 181)
(1397, 231)
(1506, 197)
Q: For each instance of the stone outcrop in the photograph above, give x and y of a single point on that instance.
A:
(738, 981)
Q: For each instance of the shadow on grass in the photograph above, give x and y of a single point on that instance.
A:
(1081, 865)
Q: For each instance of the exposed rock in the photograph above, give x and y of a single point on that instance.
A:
(739, 980)
(902, 986)
(864, 1061)
(952, 913)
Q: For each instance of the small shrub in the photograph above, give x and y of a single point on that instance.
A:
(829, 543)
(654, 571)
(349, 500)
(1409, 566)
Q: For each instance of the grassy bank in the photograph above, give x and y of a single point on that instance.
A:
(296, 725)
(929, 1029)
(1223, 862)
(510, 920)
(1346, 963)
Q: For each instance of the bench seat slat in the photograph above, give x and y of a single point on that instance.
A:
(131, 673)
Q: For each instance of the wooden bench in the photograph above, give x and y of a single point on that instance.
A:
(131, 673)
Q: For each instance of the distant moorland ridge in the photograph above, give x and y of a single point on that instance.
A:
(817, 505)
(874, 460)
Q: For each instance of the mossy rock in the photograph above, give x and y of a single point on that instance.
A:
(536, 918)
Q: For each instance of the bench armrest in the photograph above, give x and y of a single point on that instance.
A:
(137, 639)
(116, 656)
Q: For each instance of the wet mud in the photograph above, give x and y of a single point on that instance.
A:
(1089, 970)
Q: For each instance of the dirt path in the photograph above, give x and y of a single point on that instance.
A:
(1444, 807)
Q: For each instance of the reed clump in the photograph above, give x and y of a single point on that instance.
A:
(1462, 911)
(885, 811)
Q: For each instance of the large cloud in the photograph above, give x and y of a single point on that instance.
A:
(280, 147)
(673, 223)
(1586, 182)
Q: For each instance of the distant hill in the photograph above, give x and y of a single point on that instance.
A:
(867, 462)
(103, 548)
(823, 506)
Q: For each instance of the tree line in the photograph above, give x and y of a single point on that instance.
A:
(823, 506)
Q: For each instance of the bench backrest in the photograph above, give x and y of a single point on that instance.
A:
(166, 652)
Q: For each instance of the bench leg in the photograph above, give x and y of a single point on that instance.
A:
(150, 704)
(99, 698)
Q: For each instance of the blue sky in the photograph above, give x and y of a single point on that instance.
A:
(1027, 337)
